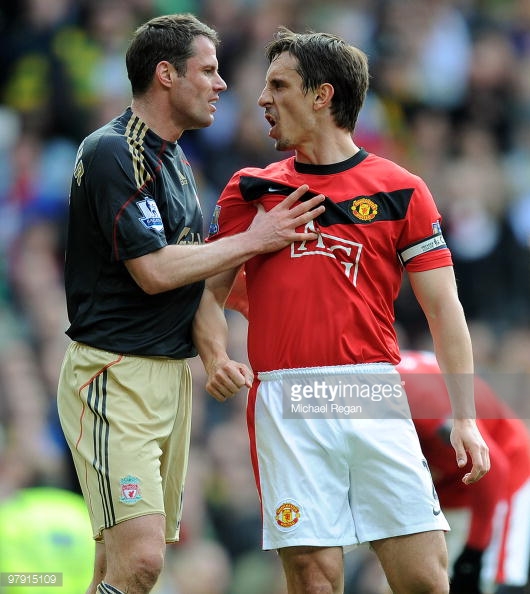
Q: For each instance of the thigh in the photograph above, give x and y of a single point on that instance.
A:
(392, 491)
(302, 476)
(175, 454)
(414, 559)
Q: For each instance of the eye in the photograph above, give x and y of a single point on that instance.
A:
(276, 85)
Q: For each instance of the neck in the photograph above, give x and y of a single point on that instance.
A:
(327, 153)
(156, 118)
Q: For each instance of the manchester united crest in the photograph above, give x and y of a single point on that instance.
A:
(364, 209)
(287, 515)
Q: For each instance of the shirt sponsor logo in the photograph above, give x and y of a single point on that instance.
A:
(151, 218)
(182, 178)
(364, 209)
(189, 237)
(347, 253)
(287, 515)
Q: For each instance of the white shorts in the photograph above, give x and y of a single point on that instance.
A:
(336, 481)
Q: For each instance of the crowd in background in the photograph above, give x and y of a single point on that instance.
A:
(449, 100)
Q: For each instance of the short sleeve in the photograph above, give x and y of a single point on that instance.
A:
(119, 191)
(232, 214)
(422, 245)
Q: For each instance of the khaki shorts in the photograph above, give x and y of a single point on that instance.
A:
(127, 422)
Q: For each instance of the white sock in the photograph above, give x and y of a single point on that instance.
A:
(104, 588)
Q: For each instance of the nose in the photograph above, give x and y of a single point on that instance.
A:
(221, 85)
(265, 98)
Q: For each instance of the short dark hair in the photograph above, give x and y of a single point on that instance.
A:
(326, 58)
(167, 37)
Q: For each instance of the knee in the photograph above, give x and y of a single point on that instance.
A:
(146, 568)
(427, 584)
(317, 572)
(440, 586)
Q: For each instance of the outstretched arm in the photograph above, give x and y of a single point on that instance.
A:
(176, 265)
(437, 295)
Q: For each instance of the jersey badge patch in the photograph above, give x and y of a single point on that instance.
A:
(364, 209)
(287, 515)
(214, 223)
(130, 490)
(151, 218)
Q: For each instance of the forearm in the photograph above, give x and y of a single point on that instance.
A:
(178, 265)
(437, 294)
(210, 330)
(210, 334)
(452, 345)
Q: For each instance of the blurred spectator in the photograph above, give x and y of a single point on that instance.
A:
(45, 56)
(46, 530)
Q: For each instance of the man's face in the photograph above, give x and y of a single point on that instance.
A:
(194, 95)
(287, 108)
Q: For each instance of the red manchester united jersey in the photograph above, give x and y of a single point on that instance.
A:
(330, 301)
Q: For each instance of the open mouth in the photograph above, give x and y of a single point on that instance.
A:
(270, 119)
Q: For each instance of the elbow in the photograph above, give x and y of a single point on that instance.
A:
(151, 284)
(149, 273)
(445, 311)
(149, 289)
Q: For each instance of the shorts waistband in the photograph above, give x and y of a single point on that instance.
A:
(280, 374)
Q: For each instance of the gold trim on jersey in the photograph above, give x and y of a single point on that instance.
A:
(135, 133)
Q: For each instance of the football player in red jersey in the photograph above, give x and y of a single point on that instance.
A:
(321, 316)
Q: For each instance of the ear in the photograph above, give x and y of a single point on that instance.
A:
(323, 96)
(164, 73)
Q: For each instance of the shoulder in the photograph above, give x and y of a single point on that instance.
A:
(105, 147)
(386, 168)
(109, 136)
(270, 171)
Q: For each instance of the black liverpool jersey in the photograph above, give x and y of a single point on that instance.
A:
(132, 193)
